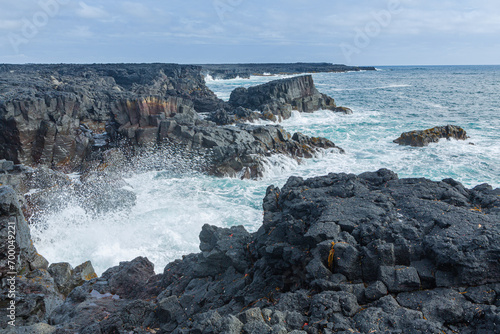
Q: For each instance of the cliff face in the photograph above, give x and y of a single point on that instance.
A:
(53, 114)
(62, 115)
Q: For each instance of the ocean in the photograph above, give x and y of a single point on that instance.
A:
(172, 207)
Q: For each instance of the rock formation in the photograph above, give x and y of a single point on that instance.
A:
(65, 116)
(276, 99)
(339, 253)
(37, 288)
(424, 137)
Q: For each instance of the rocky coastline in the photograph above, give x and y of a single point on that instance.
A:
(66, 116)
(232, 71)
(341, 253)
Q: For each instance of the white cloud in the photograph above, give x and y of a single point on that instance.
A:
(90, 12)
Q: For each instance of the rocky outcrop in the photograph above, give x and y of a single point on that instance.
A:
(67, 117)
(231, 71)
(54, 114)
(422, 138)
(31, 290)
(338, 253)
(275, 100)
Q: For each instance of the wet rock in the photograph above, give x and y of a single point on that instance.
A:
(412, 259)
(68, 278)
(276, 99)
(424, 137)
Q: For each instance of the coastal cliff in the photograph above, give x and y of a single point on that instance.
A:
(65, 116)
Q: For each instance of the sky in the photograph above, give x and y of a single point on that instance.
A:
(362, 32)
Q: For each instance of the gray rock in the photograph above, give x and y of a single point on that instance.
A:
(375, 291)
(276, 99)
(399, 278)
(424, 137)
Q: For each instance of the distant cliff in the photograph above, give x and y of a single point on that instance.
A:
(231, 71)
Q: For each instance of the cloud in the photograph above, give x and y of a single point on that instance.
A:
(90, 12)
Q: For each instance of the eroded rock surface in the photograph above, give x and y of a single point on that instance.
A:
(338, 253)
(425, 137)
(66, 117)
(275, 100)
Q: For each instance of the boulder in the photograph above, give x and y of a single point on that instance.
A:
(421, 138)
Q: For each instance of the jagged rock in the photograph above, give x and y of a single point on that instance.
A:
(71, 107)
(424, 137)
(36, 290)
(298, 272)
(276, 99)
(67, 117)
(68, 278)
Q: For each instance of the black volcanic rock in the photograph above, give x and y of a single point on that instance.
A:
(36, 289)
(53, 114)
(276, 99)
(424, 137)
(231, 71)
(338, 253)
(67, 117)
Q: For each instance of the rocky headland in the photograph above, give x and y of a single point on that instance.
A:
(342, 253)
(231, 71)
(66, 116)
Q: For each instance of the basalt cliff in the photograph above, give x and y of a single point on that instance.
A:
(65, 116)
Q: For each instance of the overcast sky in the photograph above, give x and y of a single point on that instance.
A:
(362, 32)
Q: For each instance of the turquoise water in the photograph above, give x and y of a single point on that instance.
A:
(172, 207)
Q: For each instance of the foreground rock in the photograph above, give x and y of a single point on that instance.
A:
(31, 290)
(275, 100)
(338, 253)
(231, 71)
(67, 117)
(425, 137)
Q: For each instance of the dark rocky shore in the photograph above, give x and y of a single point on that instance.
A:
(66, 116)
(231, 71)
(341, 253)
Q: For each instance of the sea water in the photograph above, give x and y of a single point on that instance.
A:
(171, 208)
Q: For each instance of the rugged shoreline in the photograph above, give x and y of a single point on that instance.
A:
(66, 116)
(341, 253)
(231, 71)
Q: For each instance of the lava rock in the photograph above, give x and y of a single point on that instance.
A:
(424, 137)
